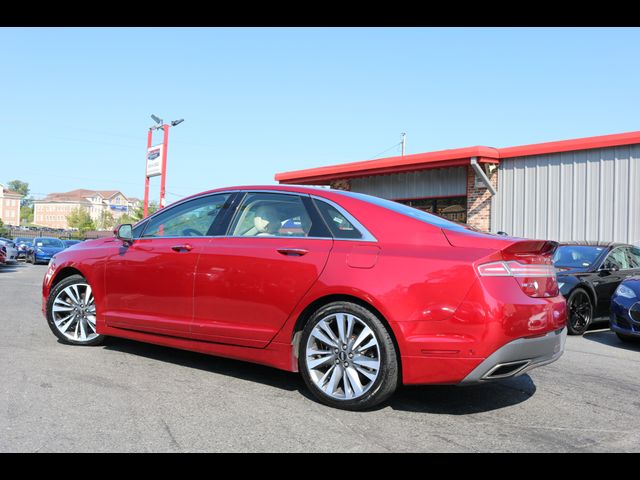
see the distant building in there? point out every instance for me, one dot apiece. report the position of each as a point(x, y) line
point(9, 206)
point(53, 210)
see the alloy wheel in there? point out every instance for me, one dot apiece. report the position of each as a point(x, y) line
point(74, 313)
point(580, 311)
point(343, 356)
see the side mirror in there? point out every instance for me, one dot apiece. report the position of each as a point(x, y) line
point(124, 232)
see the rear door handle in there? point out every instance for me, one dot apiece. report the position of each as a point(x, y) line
point(181, 248)
point(295, 252)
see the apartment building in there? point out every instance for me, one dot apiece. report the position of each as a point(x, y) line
point(9, 206)
point(53, 210)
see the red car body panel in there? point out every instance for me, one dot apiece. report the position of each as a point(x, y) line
point(241, 298)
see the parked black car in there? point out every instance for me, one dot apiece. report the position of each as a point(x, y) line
point(588, 273)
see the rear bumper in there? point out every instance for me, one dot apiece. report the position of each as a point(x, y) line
point(518, 357)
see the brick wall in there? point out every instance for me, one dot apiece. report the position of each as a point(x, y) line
point(342, 184)
point(479, 201)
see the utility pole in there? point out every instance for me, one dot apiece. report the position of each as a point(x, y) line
point(403, 141)
point(157, 160)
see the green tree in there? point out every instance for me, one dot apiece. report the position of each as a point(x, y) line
point(106, 221)
point(4, 231)
point(80, 219)
point(26, 214)
point(137, 213)
point(22, 188)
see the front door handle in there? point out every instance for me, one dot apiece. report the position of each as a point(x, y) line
point(296, 252)
point(181, 248)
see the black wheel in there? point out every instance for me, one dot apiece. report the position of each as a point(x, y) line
point(628, 338)
point(580, 311)
point(347, 357)
point(71, 312)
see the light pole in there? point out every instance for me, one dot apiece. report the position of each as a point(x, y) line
point(157, 160)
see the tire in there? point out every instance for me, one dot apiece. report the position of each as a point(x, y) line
point(580, 312)
point(80, 325)
point(325, 374)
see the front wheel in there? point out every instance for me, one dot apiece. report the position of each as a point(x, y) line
point(580, 312)
point(347, 357)
point(71, 312)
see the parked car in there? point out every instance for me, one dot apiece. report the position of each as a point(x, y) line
point(625, 310)
point(43, 248)
point(3, 254)
point(360, 295)
point(10, 251)
point(23, 244)
point(588, 273)
point(69, 243)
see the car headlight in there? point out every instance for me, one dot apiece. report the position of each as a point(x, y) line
point(39, 250)
point(561, 284)
point(625, 292)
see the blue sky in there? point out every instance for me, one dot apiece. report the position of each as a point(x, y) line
point(75, 102)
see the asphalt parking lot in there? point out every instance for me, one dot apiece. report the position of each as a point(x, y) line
point(131, 397)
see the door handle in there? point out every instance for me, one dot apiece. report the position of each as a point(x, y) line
point(294, 252)
point(180, 248)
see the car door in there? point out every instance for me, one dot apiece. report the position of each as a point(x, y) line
point(149, 283)
point(613, 270)
point(249, 281)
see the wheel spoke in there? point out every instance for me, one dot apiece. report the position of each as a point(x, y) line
point(320, 361)
point(323, 338)
point(335, 378)
point(366, 331)
point(327, 330)
point(72, 294)
point(341, 320)
point(366, 362)
point(87, 295)
point(354, 381)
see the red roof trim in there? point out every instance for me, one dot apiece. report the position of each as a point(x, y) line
point(448, 158)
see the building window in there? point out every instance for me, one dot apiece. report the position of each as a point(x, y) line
point(451, 208)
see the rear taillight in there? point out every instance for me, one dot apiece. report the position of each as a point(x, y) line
point(535, 279)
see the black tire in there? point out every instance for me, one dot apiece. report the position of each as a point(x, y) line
point(73, 279)
point(579, 311)
point(628, 338)
point(388, 375)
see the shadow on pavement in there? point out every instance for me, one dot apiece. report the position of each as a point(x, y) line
point(609, 338)
point(452, 400)
point(224, 366)
point(12, 267)
point(437, 399)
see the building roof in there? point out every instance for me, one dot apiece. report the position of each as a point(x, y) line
point(80, 195)
point(6, 191)
point(448, 158)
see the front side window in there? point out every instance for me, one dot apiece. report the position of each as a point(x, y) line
point(633, 255)
point(273, 215)
point(194, 218)
point(616, 260)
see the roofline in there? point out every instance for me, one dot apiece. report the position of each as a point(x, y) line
point(448, 158)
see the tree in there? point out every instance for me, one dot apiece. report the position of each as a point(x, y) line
point(80, 219)
point(106, 221)
point(26, 214)
point(138, 212)
point(22, 188)
point(4, 231)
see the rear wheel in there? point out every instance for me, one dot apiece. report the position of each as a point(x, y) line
point(71, 312)
point(580, 311)
point(347, 357)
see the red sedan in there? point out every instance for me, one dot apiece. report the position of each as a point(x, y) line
point(357, 293)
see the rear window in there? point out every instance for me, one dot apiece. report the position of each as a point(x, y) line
point(576, 256)
point(338, 224)
point(405, 210)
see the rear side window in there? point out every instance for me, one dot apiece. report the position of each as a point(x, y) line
point(617, 259)
point(339, 225)
point(633, 254)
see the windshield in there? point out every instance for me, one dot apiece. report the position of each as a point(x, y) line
point(48, 242)
point(576, 256)
point(22, 240)
point(405, 210)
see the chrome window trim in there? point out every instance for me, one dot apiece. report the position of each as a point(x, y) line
point(367, 236)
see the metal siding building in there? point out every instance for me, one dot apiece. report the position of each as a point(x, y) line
point(580, 195)
point(581, 189)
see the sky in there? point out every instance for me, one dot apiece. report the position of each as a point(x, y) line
point(75, 103)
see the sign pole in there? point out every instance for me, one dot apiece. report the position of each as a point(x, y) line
point(146, 178)
point(163, 178)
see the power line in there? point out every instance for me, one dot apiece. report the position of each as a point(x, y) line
point(384, 151)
